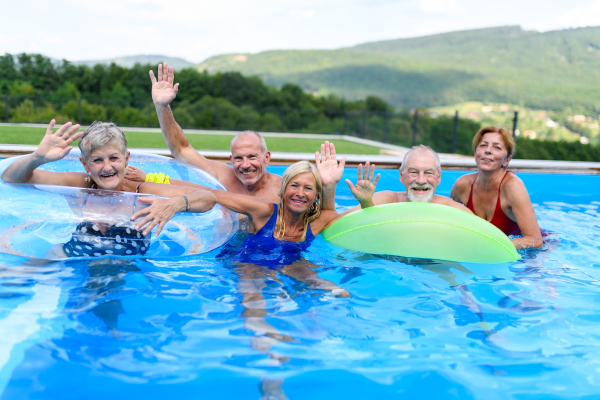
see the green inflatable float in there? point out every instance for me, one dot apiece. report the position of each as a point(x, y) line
point(422, 230)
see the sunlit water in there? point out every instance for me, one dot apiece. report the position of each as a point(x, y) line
point(157, 329)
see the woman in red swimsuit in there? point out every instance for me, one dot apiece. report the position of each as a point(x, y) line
point(496, 194)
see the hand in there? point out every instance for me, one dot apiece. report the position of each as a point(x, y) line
point(55, 146)
point(159, 213)
point(135, 174)
point(327, 165)
point(163, 91)
point(365, 185)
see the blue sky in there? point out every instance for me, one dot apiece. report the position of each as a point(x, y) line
point(196, 30)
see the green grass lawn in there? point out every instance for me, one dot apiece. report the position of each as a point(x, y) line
point(29, 135)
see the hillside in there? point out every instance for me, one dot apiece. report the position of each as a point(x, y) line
point(130, 61)
point(549, 70)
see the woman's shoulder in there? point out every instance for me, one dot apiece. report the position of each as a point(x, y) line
point(512, 181)
point(466, 180)
point(513, 185)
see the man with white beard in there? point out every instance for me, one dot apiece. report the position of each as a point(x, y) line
point(421, 173)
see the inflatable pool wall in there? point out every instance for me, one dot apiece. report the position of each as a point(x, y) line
point(35, 217)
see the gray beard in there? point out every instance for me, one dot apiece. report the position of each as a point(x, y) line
point(424, 198)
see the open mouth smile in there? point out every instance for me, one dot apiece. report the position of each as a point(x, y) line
point(108, 176)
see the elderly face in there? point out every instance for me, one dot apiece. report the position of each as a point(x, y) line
point(106, 166)
point(300, 193)
point(420, 176)
point(491, 153)
point(248, 159)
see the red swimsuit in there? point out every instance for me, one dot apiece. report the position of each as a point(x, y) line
point(500, 220)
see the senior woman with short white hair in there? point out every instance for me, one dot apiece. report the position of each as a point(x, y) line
point(104, 157)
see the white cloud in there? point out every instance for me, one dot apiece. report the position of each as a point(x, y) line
point(47, 37)
point(439, 6)
point(587, 15)
point(302, 13)
point(4, 38)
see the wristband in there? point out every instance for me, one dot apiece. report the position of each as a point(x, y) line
point(187, 204)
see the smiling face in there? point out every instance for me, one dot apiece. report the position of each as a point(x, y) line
point(300, 193)
point(249, 159)
point(106, 166)
point(491, 153)
point(420, 176)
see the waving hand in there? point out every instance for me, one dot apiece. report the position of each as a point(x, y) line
point(163, 91)
point(55, 146)
point(327, 165)
point(365, 185)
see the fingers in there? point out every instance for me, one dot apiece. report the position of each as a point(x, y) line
point(62, 129)
point(50, 127)
point(318, 159)
point(371, 172)
point(342, 163)
point(161, 225)
point(150, 227)
point(327, 151)
point(323, 152)
point(376, 179)
point(332, 149)
point(176, 88)
point(350, 185)
point(152, 78)
point(68, 133)
point(144, 221)
point(359, 174)
point(171, 76)
point(160, 73)
point(74, 137)
point(367, 170)
point(165, 76)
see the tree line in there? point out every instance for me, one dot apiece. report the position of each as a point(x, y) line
point(38, 89)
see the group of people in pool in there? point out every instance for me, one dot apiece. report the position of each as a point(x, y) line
point(292, 208)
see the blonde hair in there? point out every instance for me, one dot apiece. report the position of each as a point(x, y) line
point(314, 211)
point(509, 142)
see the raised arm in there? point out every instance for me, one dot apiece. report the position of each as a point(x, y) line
point(163, 93)
point(330, 172)
point(53, 147)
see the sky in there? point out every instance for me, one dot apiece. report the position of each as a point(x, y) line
point(196, 30)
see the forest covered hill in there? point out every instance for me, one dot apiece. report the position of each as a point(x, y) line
point(548, 70)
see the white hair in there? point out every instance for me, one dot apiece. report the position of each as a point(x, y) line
point(263, 144)
point(422, 148)
point(100, 134)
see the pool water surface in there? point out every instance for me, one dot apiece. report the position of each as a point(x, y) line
point(202, 327)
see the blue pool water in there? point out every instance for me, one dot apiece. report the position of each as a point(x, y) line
point(158, 329)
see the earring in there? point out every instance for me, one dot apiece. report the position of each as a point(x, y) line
point(88, 178)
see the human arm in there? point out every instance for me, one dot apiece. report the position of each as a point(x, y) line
point(137, 175)
point(163, 93)
point(364, 189)
point(460, 190)
point(199, 200)
point(53, 147)
point(330, 172)
point(518, 199)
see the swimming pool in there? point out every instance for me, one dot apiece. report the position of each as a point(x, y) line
point(159, 329)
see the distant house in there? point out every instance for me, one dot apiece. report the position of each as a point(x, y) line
point(578, 118)
point(529, 134)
